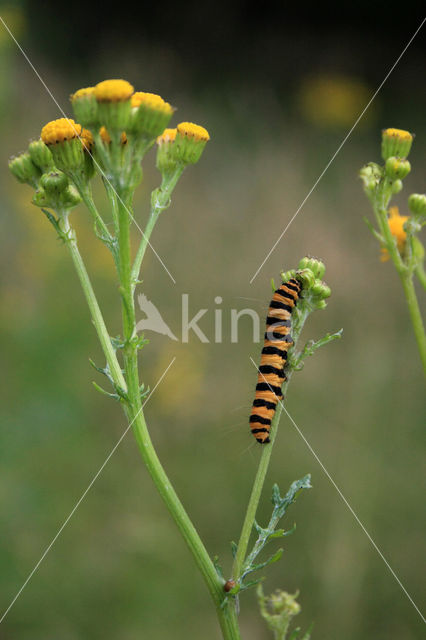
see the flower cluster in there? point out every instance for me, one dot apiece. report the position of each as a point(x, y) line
point(114, 127)
point(380, 183)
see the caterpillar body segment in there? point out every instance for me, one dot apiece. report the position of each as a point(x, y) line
point(274, 358)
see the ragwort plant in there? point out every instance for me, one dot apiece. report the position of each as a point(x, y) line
point(397, 234)
point(116, 127)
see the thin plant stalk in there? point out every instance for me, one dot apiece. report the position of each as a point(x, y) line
point(259, 480)
point(405, 271)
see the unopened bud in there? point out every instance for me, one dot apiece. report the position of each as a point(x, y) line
point(41, 155)
point(397, 168)
point(396, 142)
point(316, 266)
point(24, 169)
point(417, 203)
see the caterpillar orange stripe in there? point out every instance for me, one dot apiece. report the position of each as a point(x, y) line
point(273, 359)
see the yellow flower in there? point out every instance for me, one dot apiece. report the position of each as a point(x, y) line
point(401, 134)
point(151, 101)
point(168, 135)
point(113, 91)
point(396, 226)
point(60, 130)
point(82, 93)
point(396, 142)
point(193, 131)
point(86, 140)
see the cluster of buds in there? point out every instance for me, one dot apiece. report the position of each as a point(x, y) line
point(311, 271)
point(278, 610)
point(53, 188)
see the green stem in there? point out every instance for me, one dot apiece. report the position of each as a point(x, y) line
point(86, 195)
point(420, 273)
point(225, 611)
point(160, 200)
point(124, 219)
point(254, 499)
point(265, 458)
point(415, 315)
point(97, 318)
point(404, 271)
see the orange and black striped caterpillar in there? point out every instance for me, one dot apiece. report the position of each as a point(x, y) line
point(274, 357)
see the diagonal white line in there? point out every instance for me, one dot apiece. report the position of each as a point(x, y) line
point(94, 160)
point(347, 504)
point(339, 147)
point(77, 504)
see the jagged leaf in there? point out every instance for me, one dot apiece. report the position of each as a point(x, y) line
point(115, 396)
point(274, 558)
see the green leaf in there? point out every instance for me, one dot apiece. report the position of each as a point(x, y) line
point(234, 548)
point(115, 396)
point(274, 558)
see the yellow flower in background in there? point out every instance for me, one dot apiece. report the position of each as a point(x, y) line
point(168, 135)
point(103, 132)
point(396, 226)
point(330, 101)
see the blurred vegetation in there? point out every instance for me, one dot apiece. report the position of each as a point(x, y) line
point(119, 570)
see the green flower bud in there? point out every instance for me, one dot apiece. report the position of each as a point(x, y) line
point(371, 175)
point(307, 278)
point(316, 266)
point(70, 197)
point(24, 169)
point(113, 104)
point(417, 203)
point(41, 155)
point(396, 142)
point(85, 107)
point(397, 168)
point(166, 156)
point(190, 142)
point(287, 275)
point(40, 198)
point(54, 183)
point(320, 289)
point(150, 114)
point(396, 186)
point(63, 139)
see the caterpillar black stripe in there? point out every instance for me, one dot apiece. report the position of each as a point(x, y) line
point(273, 359)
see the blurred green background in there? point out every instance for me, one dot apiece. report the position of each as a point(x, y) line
point(277, 89)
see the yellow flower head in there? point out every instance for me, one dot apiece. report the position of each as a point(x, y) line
point(398, 133)
point(168, 135)
point(113, 91)
point(82, 93)
point(151, 101)
point(193, 131)
point(396, 142)
point(107, 138)
point(60, 130)
point(396, 226)
point(86, 139)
